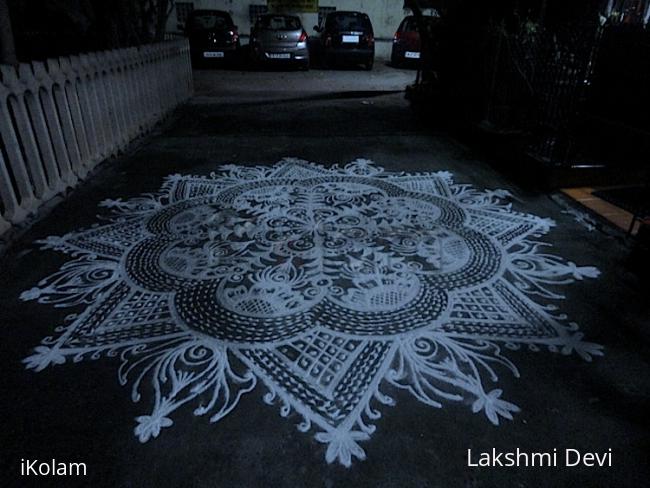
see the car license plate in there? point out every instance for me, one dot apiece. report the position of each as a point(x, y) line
point(412, 55)
point(279, 55)
point(213, 54)
point(354, 39)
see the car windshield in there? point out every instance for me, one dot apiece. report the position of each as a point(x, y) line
point(350, 21)
point(279, 22)
point(210, 20)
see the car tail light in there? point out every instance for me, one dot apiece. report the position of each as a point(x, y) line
point(370, 40)
point(328, 40)
point(303, 37)
point(397, 36)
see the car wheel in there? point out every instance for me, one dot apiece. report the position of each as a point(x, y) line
point(368, 66)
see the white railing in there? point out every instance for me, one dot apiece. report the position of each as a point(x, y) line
point(60, 118)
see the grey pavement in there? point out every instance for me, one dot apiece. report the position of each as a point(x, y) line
point(80, 412)
point(232, 86)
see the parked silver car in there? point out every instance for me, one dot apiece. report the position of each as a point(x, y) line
point(278, 39)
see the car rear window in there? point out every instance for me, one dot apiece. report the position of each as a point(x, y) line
point(279, 22)
point(410, 25)
point(210, 20)
point(350, 21)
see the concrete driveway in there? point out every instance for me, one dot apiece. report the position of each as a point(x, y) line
point(559, 393)
point(230, 86)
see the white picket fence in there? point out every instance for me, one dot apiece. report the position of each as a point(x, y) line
point(60, 118)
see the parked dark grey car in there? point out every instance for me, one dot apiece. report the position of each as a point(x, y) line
point(278, 39)
point(213, 36)
point(347, 37)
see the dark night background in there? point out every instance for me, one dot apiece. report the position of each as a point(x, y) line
point(538, 97)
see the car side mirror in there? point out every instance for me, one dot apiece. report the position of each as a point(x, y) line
point(317, 29)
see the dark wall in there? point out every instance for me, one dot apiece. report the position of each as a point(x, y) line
point(621, 83)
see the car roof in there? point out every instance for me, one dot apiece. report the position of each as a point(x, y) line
point(278, 15)
point(425, 17)
point(431, 19)
point(336, 12)
point(209, 11)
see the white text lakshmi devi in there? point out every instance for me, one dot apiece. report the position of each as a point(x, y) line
point(555, 458)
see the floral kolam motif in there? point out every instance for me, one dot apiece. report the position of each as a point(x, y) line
point(322, 284)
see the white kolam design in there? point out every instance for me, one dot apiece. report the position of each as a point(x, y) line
point(322, 284)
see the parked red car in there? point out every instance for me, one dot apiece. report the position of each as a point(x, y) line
point(406, 42)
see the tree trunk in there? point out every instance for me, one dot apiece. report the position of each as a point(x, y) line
point(7, 46)
point(426, 44)
point(164, 8)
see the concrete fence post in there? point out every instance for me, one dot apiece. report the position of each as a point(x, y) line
point(14, 204)
point(117, 75)
point(53, 125)
point(23, 135)
point(80, 130)
point(64, 115)
point(105, 80)
point(17, 202)
point(130, 95)
point(142, 90)
point(85, 97)
point(88, 70)
point(103, 104)
point(42, 136)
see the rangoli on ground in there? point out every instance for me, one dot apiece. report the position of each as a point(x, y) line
point(322, 284)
